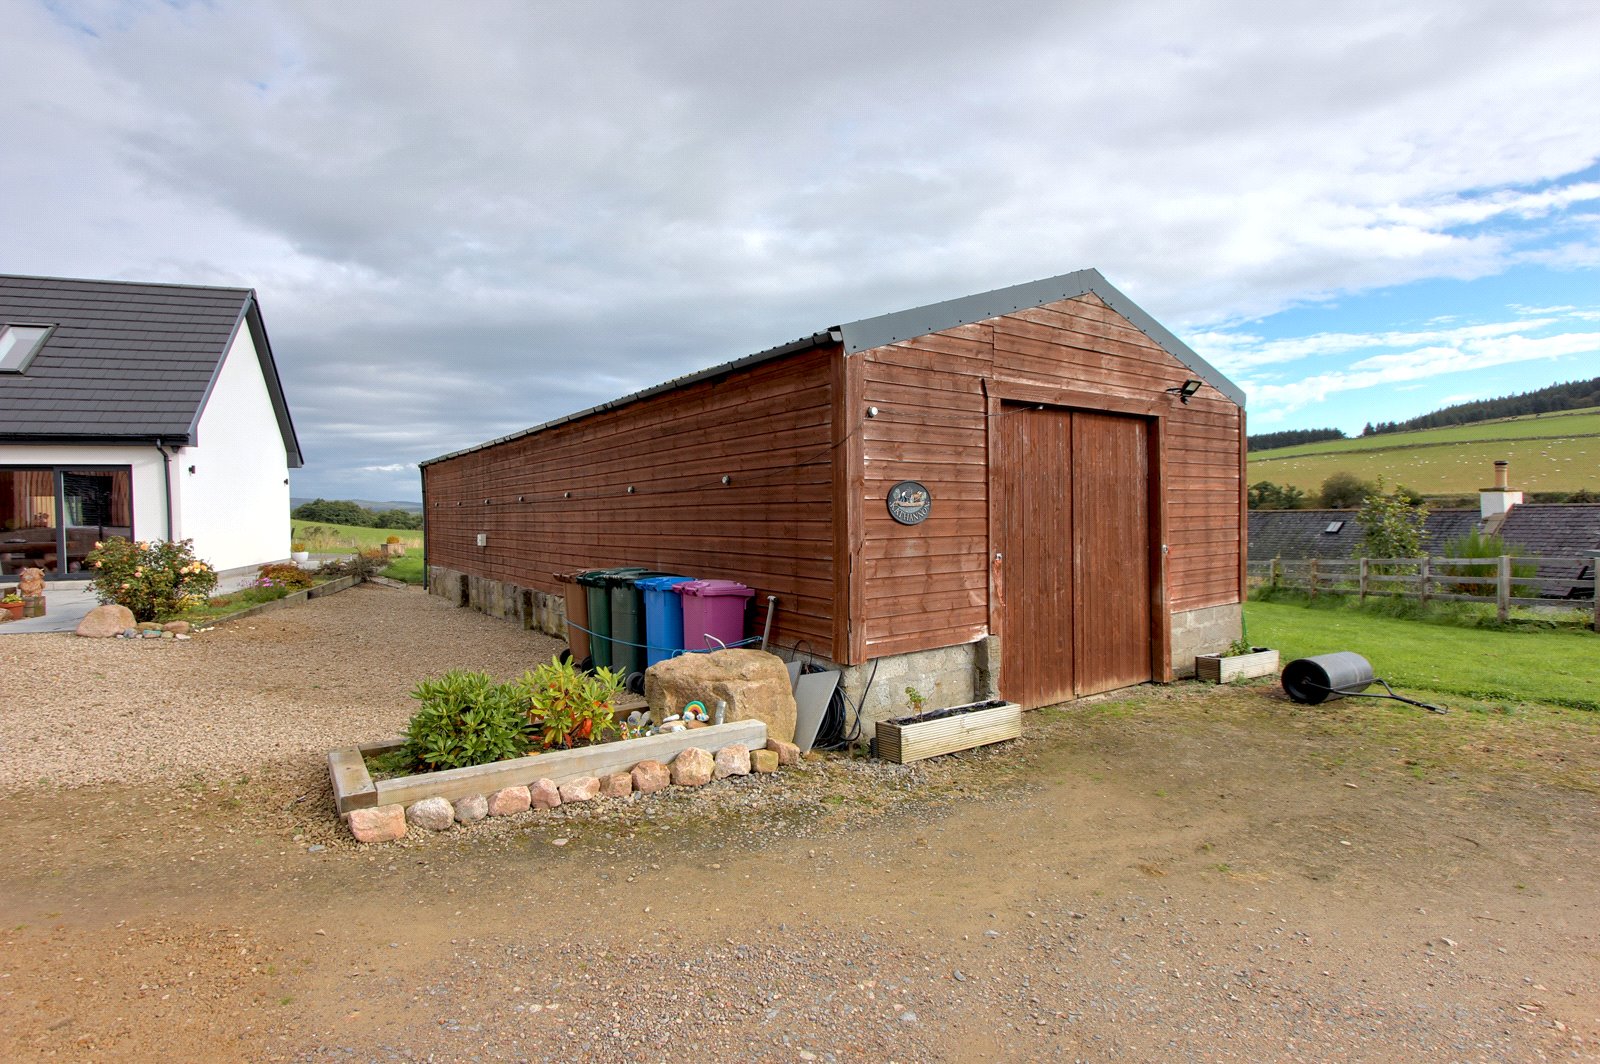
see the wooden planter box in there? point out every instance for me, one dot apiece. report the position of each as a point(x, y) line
point(1214, 668)
point(354, 787)
point(944, 731)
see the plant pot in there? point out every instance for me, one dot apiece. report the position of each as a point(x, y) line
point(300, 556)
point(944, 731)
point(14, 609)
point(1215, 668)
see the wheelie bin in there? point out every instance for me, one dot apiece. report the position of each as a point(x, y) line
point(627, 618)
point(713, 613)
point(596, 591)
point(663, 617)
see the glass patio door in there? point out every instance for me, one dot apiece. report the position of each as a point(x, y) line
point(50, 519)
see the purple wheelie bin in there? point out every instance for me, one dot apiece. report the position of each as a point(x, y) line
point(713, 613)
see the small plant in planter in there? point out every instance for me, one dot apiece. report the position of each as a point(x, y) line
point(466, 718)
point(297, 551)
point(567, 707)
point(11, 603)
point(915, 700)
point(1241, 661)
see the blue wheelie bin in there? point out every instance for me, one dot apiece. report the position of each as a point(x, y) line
point(663, 617)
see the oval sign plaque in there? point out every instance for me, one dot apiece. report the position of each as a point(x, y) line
point(910, 502)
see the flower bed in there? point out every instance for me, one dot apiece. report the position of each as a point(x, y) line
point(381, 810)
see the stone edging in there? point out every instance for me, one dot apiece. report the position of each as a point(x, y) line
point(505, 788)
point(337, 584)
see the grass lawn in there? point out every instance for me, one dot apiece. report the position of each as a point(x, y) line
point(1558, 668)
point(408, 569)
point(345, 538)
point(1550, 452)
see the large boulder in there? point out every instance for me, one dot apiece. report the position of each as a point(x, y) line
point(755, 685)
point(105, 622)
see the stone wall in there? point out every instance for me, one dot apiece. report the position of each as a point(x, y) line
point(529, 607)
point(1203, 631)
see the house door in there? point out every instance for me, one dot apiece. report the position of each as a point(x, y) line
point(1073, 534)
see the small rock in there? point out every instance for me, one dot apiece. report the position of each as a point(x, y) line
point(509, 800)
point(153, 633)
point(908, 1017)
point(435, 814)
point(181, 637)
point(544, 794)
point(130, 633)
point(471, 809)
point(383, 823)
point(763, 761)
point(559, 842)
point(788, 753)
point(103, 622)
point(617, 785)
point(318, 848)
point(580, 790)
point(167, 635)
point(650, 777)
point(178, 627)
point(732, 761)
point(692, 768)
point(958, 975)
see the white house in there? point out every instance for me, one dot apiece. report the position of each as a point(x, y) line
point(151, 411)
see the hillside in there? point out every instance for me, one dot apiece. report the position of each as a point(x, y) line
point(1547, 452)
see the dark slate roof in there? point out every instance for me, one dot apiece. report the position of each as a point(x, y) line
point(936, 317)
point(126, 361)
point(1565, 531)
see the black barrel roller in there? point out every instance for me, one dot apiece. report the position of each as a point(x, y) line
point(1313, 681)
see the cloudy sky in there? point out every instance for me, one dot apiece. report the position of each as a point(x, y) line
point(467, 218)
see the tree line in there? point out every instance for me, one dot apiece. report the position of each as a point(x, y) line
point(1572, 395)
point(345, 512)
point(1268, 441)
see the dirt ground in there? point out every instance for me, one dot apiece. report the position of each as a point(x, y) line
point(1173, 874)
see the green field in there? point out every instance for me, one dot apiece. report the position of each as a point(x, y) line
point(345, 539)
point(1552, 667)
point(1547, 452)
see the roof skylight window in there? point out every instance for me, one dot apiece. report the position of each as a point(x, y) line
point(19, 343)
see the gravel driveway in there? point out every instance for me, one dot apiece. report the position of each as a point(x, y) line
point(281, 686)
point(1183, 874)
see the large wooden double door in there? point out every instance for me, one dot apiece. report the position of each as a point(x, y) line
point(1072, 572)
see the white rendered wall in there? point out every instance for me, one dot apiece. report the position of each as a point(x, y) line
point(149, 487)
point(235, 505)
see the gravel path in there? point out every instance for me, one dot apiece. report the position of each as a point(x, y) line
point(280, 686)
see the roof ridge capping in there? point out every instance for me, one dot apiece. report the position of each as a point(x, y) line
point(52, 279)
point(936, 317)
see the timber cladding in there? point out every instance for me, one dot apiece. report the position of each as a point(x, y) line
point(814, 435)
point(557, 500)
point(937, 396)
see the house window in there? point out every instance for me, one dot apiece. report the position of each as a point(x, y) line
point(51, 519)
point(19, 343)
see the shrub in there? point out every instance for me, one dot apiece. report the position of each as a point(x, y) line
point(392, 539)
point(1392, 525)
point(153, 578)
point(565, 707)
point(284, 575)
point(297, 546)
point(466, 718)
point(1472, 545)
point(1344, 491)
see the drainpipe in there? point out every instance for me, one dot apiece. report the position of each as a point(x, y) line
point(166, 465)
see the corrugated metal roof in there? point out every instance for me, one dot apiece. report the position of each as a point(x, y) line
point(885, 329)
point(126, 360)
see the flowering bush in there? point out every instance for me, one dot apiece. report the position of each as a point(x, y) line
point(567, 707)
point(286, 575)
point(153, 578)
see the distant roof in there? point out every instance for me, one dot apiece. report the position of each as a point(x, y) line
point(1545, 530)
point(920, 321)
point(126, 361)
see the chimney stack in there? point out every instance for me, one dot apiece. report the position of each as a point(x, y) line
point(1495, 502)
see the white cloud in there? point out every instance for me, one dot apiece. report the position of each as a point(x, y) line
point(516, 211)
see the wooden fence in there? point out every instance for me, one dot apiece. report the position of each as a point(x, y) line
point(1438, 579)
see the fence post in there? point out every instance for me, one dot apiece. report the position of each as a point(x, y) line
point(1363, 579)
point(1423, 575)
point(1503, 588)
point(1594, 572)
point(1313, 578)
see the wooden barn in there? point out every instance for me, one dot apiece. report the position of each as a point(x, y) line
point(1037, 489)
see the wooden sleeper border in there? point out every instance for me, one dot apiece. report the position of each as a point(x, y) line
point(902, 743)
point(354, 787)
